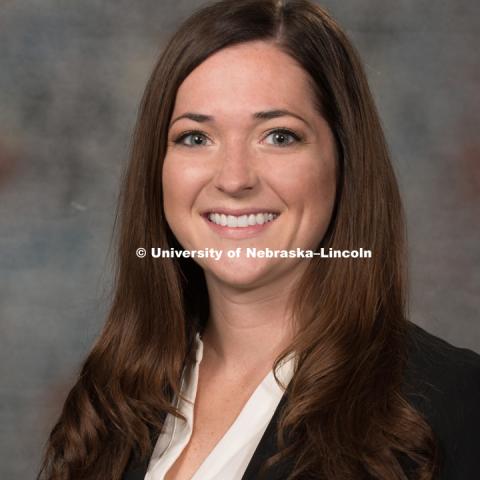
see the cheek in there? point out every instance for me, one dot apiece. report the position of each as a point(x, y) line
point(172, 196)
point(169, 178)
point(320, 190)
point(309, 191)
point(311, 185)
point(176, 198)
point(320, 193)
point(181, 183)
point(322, 199)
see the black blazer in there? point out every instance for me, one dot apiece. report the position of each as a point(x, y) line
point(442, 381)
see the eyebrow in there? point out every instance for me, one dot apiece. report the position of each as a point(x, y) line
point(264, 115)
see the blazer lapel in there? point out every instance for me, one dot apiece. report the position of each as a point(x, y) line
point(135, 471)
point(267, 447)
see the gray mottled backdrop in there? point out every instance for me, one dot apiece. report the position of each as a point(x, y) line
point(71, 76)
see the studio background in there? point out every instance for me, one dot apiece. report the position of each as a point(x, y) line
point(71, 77)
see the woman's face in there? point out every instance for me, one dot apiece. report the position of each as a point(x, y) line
point(247, 145)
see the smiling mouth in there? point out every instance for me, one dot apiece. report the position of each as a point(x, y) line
point(241, 221)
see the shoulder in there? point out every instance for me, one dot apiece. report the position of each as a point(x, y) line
point(439, 367)
point(443, 382)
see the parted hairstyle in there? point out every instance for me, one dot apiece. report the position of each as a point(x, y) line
point(346, 416)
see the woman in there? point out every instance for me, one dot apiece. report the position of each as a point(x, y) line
point(257, 130)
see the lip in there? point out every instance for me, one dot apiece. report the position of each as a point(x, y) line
point(239, 232)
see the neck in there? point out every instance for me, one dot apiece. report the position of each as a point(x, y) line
point(247, 329)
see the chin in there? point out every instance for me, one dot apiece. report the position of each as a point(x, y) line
point(241, 275)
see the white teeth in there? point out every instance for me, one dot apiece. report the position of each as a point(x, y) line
point(242, 220)
point(232, 221)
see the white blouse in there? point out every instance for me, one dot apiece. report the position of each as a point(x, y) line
point(231, 455)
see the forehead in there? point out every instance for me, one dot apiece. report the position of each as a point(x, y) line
point(237, 78)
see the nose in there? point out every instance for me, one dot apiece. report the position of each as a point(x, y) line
point(236, 172)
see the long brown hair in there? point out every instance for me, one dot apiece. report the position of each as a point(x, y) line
point(346, 417)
